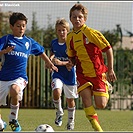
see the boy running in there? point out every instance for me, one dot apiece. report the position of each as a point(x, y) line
point(15, 49)
point(84, 48)
point(63, 80)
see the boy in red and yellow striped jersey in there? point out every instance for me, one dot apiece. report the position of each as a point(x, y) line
point(84, 48)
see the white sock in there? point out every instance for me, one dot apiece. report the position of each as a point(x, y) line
point(1, 124)
point(57, 104)
point(71, 114)
point(14, 112)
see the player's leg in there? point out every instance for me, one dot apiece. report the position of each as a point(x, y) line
point(16, 94)
point(57, 90)
point(101, 91)
point(100, 102)
point(70, 94)
point(101, 96)
point(3, 94)
point(89, 109)
point(2, 123)
point(71, 113)
point(57, 99)
point(101, 99)
point(14, 106)
point(58, 106)
point(85, 91)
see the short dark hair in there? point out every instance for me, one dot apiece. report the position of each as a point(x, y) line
point(15, 16)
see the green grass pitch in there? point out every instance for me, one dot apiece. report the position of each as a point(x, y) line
point(109, 120)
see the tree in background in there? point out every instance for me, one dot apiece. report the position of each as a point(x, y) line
point(44, 35)
point(4, 23)
point(35, 31)
point(49, 33)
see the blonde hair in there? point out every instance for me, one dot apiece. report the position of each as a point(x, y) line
point(81, 8)
point(62, 22)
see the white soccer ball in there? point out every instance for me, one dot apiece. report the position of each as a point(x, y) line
point(44, 128)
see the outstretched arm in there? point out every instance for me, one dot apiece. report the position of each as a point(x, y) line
point(49, 64)
point(111, 74)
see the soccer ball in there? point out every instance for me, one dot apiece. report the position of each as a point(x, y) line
point(44, 128)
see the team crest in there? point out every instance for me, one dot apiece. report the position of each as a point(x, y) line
point(27, 45)
point(86, 41)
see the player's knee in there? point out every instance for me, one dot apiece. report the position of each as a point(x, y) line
point(101, 102)
point(13, 92)
point(101, 105)
point(70, 102)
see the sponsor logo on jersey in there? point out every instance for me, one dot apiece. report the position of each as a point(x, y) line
point(62, 58)
point(18, 54)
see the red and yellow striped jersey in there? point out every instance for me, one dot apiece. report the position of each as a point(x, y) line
point(87, 46)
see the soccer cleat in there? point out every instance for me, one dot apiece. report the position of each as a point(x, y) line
point(4, 126)
point(70, 126)
point(15, 126)
point(58, 120)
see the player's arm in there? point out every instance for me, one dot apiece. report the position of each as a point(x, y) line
point(4, 46)
point(48, 62)
point(57, 61)
point(71, 63)
point(51, 56)
point(7, 50)
point(111, 73)
point(70, 52)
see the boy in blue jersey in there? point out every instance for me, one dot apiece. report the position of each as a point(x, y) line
point(63, 79)
point(15, 49)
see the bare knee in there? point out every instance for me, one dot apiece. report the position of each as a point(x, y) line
point(70, 102)
point(14, 90)
point(56, 94)
point(101, 105)
point(100, 102)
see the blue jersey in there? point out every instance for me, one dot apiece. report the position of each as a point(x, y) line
point(15, 62)
point(67, 77)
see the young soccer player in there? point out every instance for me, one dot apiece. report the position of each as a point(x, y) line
point(63, 80)
point(15, 49)
point(84, 48)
